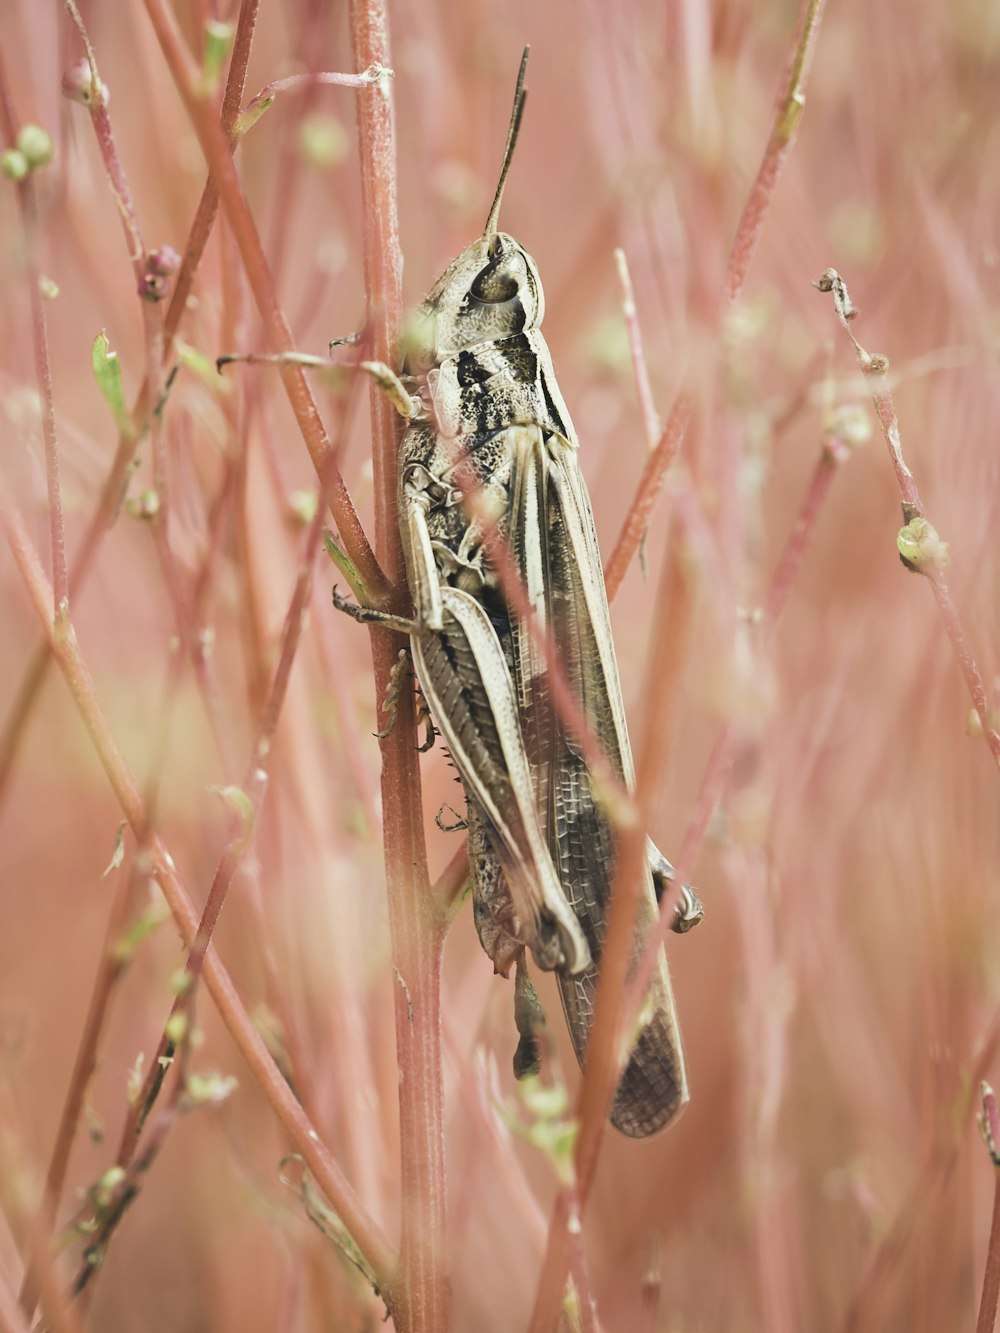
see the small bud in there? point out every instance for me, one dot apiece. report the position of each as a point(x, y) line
point(303, 506)
point(106, 1186)
point(161, 265)
point(14, 165)
point(164, 261)
point(147, 506)
point(36, 145)
point(181, 982)
point(920, 546)
point(176, 1027)
point(210, 1089)
point(218, 41)
point(79, 85)
point(849, 424)
point(133, 1083)
point(323, 141)
point(242, 806)
point(152, 287)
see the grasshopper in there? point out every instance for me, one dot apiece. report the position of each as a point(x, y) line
point(488, 465)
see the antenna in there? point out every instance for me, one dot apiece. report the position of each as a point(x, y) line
point(490, 229)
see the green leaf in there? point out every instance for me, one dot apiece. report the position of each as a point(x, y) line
point(118, 855)
point(251, 113)
point(242, 806)
point(347, 567)
point(130, 938)
point(303, 505)
point(218, 41)
point(920, 546)
point(209, 1089)
point(329, 1223)
point(200, 365)
point(107, 372)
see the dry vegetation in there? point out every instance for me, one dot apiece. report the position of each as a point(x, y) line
point(840, 1001)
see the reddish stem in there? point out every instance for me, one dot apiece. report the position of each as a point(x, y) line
point(330, 1178)
point(644, 390)
point(657, 465)
point(218, 153)
point(11, 1318)
point(144, 403)
point(150, 312)
point(596, 1099)
point(420, 1288)
point(987, 1320)
point(991, 1274)
point(110, 969)
point(720, 761)
point(27, 203)
point(108, 975)
point(602, 1065)
point(921, 1199)
point(254, 788)
point(59, 1314)
point(876, 367)
point(787, 115)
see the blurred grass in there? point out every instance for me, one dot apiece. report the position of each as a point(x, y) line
point(838, 1000)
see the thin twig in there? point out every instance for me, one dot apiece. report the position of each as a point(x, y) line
point(713, 782)
point(247, 803)
point(921, 1200)
point(150, 310)
point(989, 1123)
point(299, 82)
point(143, 407)
point(11, 1318)
point(28, 205)
point(60, 1316)
point(111, 968)
point(644, 391)
point(599, 1065)
point(788, 114)
point(331, 1180)
point(218, 152)
point(601, 1068)
point(922, 550)
point(990, 1127)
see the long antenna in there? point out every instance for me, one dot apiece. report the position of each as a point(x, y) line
point(515, 124)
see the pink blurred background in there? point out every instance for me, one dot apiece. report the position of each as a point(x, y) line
point(840, 1001)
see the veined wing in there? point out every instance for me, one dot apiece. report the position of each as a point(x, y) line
point(554, 545)
point(467, 684)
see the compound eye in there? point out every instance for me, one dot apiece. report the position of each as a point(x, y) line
point(493, 285)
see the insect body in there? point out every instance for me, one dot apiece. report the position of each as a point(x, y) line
point(488, 462)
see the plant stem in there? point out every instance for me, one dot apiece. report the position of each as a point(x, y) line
point(43, 371)
point(218, 153)
point(597, 1087)
point(990, 1126)
point(288, 1110)
point(421, 1288)
point(875, 368)
point(788, 113)
point(144, 404)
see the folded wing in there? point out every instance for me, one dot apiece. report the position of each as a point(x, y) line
point(554, 545)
